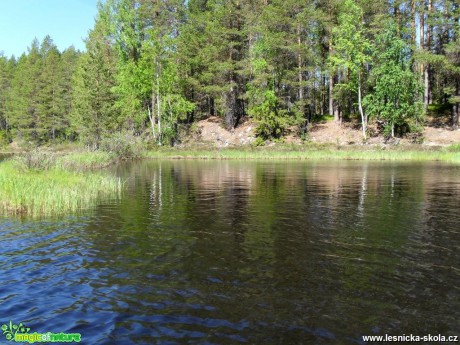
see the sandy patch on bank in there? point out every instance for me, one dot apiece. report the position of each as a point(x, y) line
point(212, 131)
point(441, 136)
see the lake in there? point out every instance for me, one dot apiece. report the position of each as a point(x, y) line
point(230, 252)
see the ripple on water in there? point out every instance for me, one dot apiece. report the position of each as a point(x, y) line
point(227, 253)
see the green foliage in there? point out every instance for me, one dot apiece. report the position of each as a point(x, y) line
point(351, 47)
point(35, 160)
point(85, 160)
point(6, 74)
point(270, 123)
point(396, 93)
point(351, 51)
point(310, 151)
point(148, 82)
point(37, 99)
point(153, 66)
point(54, 191)
point(122, 145)
point(454, 148)
point(439, 109)
point(259, 141)
point(22, 103)
point(93, 114)
point(5, 138)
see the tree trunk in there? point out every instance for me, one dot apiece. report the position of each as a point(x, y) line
point(299, 61)
point(412, 24)
point(413, 34)
point(332, 110)
point(421, 38)
point(212, 109)
point(397, 17)
point(426, 95)
point(151, 110)
point(445, 31)
point(456, 108)
point(455, 115)
point(158, 108)
point(230, 108)
point(331, 99)
point(360, 105)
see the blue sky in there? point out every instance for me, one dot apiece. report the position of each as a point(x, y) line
point(66, 21)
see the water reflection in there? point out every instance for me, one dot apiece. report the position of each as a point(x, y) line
point(245, 252)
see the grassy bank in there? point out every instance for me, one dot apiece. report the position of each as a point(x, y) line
point(316, 152)
point(46, 182)
point(43, 184)
point(85, 160)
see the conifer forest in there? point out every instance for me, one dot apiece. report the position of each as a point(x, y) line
point(152, 67)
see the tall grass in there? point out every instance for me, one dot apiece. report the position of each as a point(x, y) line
point(30, 191)
point(313, 153)
point(85, 160)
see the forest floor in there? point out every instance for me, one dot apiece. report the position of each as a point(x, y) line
point(211, 131)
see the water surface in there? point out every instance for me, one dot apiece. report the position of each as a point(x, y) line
point(227, 252)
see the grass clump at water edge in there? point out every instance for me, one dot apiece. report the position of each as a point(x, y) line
point(313, 152)
point(50, 189)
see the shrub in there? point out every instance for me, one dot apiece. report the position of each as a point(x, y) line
point(123, 145)
point(5, 138)
point(36, 160)
point(454, 148)
point(271, 122)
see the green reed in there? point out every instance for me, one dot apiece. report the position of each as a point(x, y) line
point(313, 152)
point(85, 160)
point(52, 190)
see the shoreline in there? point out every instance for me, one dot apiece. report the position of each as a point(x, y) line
point(78, 159)
point(41, 184)
point(312, 152)
point(38, 183)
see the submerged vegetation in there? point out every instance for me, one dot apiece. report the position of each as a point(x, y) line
point(41, 183)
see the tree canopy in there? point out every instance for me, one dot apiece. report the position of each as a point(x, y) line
point(151, 67)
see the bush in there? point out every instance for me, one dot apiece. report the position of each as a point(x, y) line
point(454, 148)
point(414, 131)
point(123, 145)
point(271, 122)
point(5, 138)
point(36, 160)
point(258, 142)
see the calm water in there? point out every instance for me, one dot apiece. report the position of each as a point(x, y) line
point(244, 252)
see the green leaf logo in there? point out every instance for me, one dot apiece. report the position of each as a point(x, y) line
point(11, 330)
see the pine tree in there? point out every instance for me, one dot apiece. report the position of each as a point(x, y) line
point(215, 44)
point(68, 64)
point(93, 114)
point(23, 104)
point(7, 67)
point(50, 109)
point(452, 68)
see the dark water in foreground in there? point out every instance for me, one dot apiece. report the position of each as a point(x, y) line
point(244, 252)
